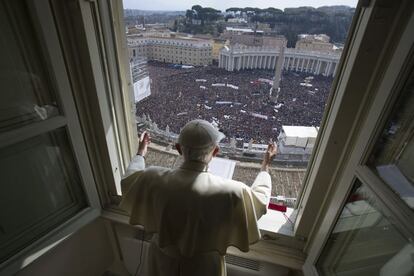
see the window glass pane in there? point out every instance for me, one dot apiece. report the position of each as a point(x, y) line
point(393, 156)
point(25, 86)
point(365, 242)
point(40, 188)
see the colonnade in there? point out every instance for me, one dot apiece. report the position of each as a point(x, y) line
point(316, 63)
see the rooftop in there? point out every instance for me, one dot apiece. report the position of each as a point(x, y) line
point(244, 30)
point(300, 131)
point(195, 39)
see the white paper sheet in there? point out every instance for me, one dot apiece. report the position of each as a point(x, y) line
point(222, 167)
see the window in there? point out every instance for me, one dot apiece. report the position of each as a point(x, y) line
point(114, 120)
point(366, 224)
point(43, 165)
point(369, 243)
point(238, 96)
point(393, 156)
point(363, 198)
point(41, 176)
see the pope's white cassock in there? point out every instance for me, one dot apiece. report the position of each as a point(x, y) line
point(194, 214)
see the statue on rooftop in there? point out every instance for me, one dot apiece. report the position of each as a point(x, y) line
point(250, 148)
point(233, 143)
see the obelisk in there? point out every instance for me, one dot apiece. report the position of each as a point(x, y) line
point(278, 74)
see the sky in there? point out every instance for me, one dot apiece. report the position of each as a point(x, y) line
point(178, 5)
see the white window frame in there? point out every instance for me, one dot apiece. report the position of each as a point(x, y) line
point(387, 79)
point(343, 113)
point(326, 166)
point(102, 83)
point(278, 249)
point(45, 27)
point(283, 250)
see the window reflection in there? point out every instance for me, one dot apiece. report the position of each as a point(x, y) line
point(40, 182)
point(25, 86)
point(393, 156)
point(365, 242)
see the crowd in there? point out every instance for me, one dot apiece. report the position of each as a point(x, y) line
point(244, 113)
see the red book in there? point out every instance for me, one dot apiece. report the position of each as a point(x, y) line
point(278, 207)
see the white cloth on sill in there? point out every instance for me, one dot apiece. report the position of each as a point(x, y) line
point(195, 214)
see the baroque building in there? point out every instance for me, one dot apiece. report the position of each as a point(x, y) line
point(179, 50)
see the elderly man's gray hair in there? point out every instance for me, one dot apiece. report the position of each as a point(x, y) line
point(199, 155)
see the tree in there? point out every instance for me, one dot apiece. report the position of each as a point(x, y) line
point(220, 28)
point(228, 17)
point(272, 10)
point(333, 21)
point(234, 10)
point(204, 14)
point(189, 15)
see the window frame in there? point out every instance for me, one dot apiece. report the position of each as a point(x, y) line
point(48, 29)
point(121, 43)
point(41, 14)
point(295, 244)
point(322, 170)
point(321, 167)
point(277, 248)
point(101, 88)
point(326, 165)
point(109, 56)
point(394, 66)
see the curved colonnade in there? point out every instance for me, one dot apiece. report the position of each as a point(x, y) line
point(316, 63)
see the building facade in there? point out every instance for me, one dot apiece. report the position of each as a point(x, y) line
point(189, 51)
point(217, 45)
point(237, 57)
point(320, 43)
point(250, 37)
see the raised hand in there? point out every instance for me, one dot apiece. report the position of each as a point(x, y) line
point(270, 152)
point(144, 141)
